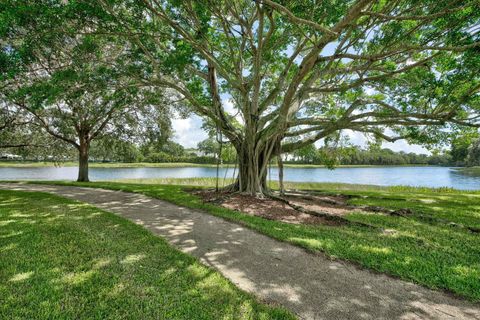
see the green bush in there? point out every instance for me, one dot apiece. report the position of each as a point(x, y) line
point(159, 157)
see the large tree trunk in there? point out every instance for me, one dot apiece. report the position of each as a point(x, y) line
point(83, 161)
point(253, 162)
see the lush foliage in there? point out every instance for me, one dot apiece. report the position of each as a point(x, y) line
point(461, 144)
point(359, 156)
point(65, 259)
point(70, 85)
point(19, 137)
point(473, 157)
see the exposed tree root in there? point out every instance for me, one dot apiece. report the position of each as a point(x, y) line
point(213, 196)
point(225, 194)
point(306, 196)
point(325, 215)
point(402, 212)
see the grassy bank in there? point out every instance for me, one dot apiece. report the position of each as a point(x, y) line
point(475, 171)
point(428, 247)
point(323, 186)
point(61, 259)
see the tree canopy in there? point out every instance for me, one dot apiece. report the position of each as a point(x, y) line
point(74, 86)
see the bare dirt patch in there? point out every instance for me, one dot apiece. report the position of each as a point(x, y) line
point(297, 207)
point(330, 205)
point(275, 209)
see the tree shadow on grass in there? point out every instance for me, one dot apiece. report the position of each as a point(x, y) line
point(69, 260)
point(276, 272)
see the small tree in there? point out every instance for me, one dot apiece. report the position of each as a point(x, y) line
point(306, 154)
point(72, 94)
point(111, 148)
point(461, 145)
point(473, 157)
point(209, 146)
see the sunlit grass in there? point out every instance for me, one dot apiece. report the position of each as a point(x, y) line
point(431, 247)
point(61, 259)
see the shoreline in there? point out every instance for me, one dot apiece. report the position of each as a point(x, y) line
point(209, 182)
point(41, 164)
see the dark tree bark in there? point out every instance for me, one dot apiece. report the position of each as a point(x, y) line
point(253, 159)
point(83, 150)
point(280, 174)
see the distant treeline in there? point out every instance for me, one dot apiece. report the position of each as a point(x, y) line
point(116, 150)
point(359, 156)
point(165, 152)
point(389, 157)
point(207, 152)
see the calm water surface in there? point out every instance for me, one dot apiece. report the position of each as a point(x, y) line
point(386, 176)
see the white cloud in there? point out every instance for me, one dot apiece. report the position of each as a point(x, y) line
point(370, 91)
point(356, 138)
point(359, 139)
point(188, 132)
point(402, 145)
point(228, 105)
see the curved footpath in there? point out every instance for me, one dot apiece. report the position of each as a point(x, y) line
point(311, 285)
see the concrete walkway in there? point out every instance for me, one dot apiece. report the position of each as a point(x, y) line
point(310, 285)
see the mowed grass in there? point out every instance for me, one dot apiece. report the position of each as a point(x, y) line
point(61, 259)
point(431, 247)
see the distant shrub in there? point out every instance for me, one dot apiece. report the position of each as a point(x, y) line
point(473, 157)
point(422, 189)
point(162, 157)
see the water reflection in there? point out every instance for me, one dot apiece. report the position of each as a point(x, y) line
point(412, 176)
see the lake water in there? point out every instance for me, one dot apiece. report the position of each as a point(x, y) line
point(385, 176)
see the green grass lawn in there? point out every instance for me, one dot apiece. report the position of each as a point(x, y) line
point(61, 259)
point(423, 248)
